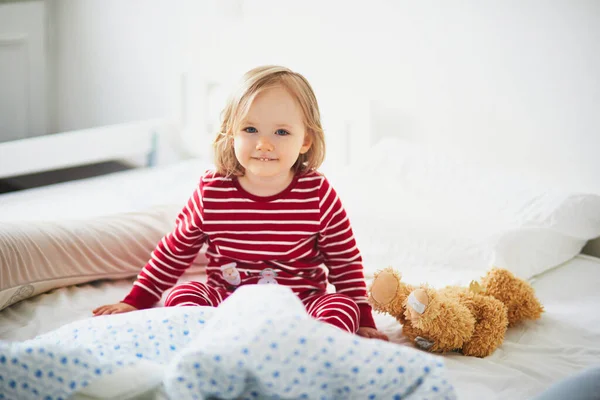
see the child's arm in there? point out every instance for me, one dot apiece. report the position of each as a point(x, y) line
point(342, 257)
point(171, 257)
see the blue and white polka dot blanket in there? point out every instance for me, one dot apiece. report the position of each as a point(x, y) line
point(259, 343)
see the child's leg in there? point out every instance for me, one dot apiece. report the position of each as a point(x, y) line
point(334, 308)
point(195, 294)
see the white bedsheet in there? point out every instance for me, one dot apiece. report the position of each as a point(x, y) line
point(533, 356)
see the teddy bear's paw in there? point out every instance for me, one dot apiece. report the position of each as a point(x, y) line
point(385, 287)
point(423, 343)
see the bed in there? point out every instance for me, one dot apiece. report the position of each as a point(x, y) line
point(532, 357)
point(433, 218)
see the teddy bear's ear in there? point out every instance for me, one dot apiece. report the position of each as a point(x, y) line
point(475, 287)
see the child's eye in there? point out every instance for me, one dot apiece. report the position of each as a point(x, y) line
point(281, 132)
point(250, 129)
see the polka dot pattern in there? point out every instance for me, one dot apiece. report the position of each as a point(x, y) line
point(259, 343)
point(61, 362)
point(263, 345)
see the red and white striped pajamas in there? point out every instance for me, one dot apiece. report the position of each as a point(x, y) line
point(300, 238)
point(334, 308)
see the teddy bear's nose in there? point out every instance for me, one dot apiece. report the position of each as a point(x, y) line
point(384, 288)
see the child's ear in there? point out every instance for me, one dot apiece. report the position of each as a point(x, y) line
point(307, 143)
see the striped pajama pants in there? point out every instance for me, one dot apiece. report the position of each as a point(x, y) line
point(334, 308)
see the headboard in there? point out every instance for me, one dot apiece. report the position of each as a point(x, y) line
point(135, 140)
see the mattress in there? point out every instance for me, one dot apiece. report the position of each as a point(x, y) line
point(533, 356)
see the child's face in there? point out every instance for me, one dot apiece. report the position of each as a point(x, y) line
point(272, 135)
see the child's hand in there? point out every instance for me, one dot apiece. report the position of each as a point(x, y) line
point(113, 309)
point(371, 333)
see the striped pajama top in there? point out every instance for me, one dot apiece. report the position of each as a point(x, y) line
point(300, 238)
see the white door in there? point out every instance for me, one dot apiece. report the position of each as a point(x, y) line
point(22, 70)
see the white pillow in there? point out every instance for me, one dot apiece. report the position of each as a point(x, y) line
point(36, 257)
point(438, 218)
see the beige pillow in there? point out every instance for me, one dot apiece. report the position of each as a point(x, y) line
point(36, 257)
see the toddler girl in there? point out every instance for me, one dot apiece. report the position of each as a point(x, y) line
point(265, 213)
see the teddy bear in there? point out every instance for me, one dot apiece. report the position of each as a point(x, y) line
point(472, 320)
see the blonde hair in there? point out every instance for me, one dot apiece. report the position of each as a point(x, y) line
point(254, 82)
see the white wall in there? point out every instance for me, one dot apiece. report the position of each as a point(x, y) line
point(110, 63)
point(22, 70)
point(117, 61)
point(512, 82)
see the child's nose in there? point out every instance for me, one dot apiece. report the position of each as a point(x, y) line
point(264, 144)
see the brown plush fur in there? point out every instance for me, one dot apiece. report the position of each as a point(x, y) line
point(471, 320)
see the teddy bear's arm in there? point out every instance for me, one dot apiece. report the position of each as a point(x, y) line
point(388, 294)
